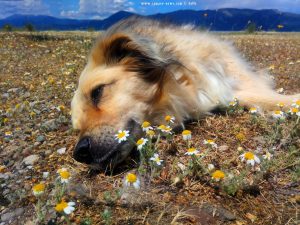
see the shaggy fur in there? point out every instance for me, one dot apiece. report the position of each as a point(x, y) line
point(142, 70)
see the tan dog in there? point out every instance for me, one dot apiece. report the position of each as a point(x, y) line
point(142, 70)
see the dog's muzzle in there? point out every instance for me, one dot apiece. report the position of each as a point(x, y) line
point(103, 150)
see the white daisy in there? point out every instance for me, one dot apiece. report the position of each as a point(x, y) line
point(146, 126)
point(66, 207)
point(295, 111)
point(141, 142)
point(169, 119)
point(278, 114)
point(122, 135)
point(38, 189)
point(64, 175)
point(296, 103)
point(132, 180)
point(165, 129)
point(253, 110)
point(268, 156)
point(156, 159)
point(210, 142)
point(192, 151)
point(186, 135)
point(250, 158)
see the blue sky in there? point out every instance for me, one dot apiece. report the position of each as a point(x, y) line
point(99, 9)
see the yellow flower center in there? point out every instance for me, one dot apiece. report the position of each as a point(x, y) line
point(8, 133)
point(162, 127)
point(297, 102)
point(277, 112)
point(168, 118)
point(252, 109)
point(210, 141)
point(121, 135)
point(18, 106)
point(140, 142)
point(150, 133)
point(146, 124)
point(64, 174)
point(186, 132)
point(295, 110)
point(131, 178)
point(61, 206)
point(157, 159)
point(280, 104)
point(38, 187)
point(190, 150)
point(218, 174)
point(249, 156)
point(240, 136)
point(5, 120)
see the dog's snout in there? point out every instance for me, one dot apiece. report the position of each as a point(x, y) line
point(82, 151)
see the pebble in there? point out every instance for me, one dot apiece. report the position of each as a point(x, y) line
point(30, 160)
point(50, 125)
point(11, 215)
point(40, 138)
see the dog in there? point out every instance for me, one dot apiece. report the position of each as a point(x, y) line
point(141, 70)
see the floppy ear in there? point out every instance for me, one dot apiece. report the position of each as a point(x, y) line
point(132, 53)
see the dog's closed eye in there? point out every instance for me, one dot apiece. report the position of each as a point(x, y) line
point(96, 94)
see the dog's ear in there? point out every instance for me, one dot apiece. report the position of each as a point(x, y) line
point(137, 55)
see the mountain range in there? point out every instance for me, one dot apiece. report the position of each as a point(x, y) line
point(227, 19)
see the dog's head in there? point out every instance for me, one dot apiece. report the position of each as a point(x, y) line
point(120, 87)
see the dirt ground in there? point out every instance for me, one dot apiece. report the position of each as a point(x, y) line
point(38, 76)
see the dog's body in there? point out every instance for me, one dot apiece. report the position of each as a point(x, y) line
point(141, 70)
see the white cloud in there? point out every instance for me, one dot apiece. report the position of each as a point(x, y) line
point(99, 9)
point(282, 5)
point(33, 7)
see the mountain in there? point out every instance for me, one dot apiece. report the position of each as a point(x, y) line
point(228, 19)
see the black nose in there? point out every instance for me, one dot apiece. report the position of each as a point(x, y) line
point(82, 151)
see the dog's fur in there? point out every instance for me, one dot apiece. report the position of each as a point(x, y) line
point(146, 70)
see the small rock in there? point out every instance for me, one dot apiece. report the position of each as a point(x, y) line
point(61, 151)
point(7, 216)
point(13, 90)
point(41, 138)
point(35, 144)
point(50, 125)
point(30, 160)
point(19, 211)
point(5, 95)
point(48, 152)
point(223, 148)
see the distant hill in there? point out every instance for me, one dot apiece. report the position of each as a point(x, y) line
point(228, 19)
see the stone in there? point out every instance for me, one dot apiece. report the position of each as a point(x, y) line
point(40, 138)
point(30, 160)
point(50, 125)
point(7, 216)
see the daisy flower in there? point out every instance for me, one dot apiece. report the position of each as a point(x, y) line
point(250, 158)
point(296, 104)
point(232, 103)
point(8, 134)
point(141, 142)
point(278, 114)
point(66, 207)
point(64, 175)
point(155, 158)
point(218, 175)
point(146, 126)
point(122, 135)
point(253, 110)
point(268, 156)
point(280, 104)
point(38, 189)
point(210, 142)
point(60, 108)
point(186, 135)
point(150, 133)
point(165, 129)
point(192, 151)
point(294, 111)
point(169, 119)
point(132, 179)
